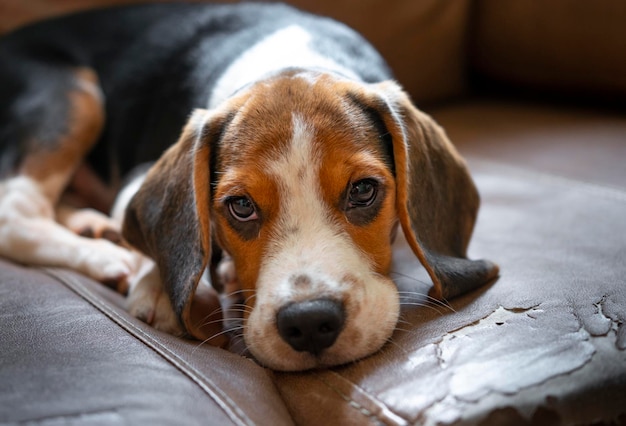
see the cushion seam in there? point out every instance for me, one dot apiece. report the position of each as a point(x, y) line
point(399, 420)
point(206, 384)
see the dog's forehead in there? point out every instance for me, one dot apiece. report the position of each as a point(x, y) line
point(273, 110)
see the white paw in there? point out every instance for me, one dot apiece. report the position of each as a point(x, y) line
point(148, 301)
point(105, 261)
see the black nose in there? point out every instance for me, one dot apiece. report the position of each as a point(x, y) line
point(311, 326)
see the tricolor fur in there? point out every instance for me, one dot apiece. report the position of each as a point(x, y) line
point(297, 160)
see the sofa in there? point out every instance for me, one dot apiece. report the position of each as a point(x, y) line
point(533, 95)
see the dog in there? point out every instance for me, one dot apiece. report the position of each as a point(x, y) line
point(282, 153)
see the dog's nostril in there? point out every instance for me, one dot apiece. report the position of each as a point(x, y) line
point(311, 326)
point(293, 333)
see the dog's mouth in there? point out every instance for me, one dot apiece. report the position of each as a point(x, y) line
point(319, 333)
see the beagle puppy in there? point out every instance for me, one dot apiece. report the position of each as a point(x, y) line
point(281, 147)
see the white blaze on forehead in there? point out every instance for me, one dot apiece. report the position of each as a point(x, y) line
point(300, 155)
point(305, 239)
point(297, 173)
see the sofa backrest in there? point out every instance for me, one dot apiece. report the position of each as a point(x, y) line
point(433, 46)
point(568, 46)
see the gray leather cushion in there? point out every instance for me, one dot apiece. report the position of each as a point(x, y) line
point(69, 355)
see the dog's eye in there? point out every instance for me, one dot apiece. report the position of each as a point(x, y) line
point(363, 193)
point(242, 209)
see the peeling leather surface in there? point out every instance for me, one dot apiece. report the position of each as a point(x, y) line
point(524, 350)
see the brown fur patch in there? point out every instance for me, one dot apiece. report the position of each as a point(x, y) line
point(54, 168)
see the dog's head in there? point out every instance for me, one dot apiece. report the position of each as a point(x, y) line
point(303, 178)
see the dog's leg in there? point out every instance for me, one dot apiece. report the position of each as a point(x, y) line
point(147, 299)
point(47, 129)
point(88, 223)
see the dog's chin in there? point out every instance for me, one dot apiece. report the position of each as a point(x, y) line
point(296, 361)
point(353, 344)
point(302, 361)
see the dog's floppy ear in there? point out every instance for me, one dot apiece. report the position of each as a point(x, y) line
point(168, 218)
point(437, 201)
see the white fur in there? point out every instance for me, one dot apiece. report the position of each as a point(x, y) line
point(147, 299)
point(286, 48)
point(29, 234)
point(124, 197)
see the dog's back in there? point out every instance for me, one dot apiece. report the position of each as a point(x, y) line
point(154, 63)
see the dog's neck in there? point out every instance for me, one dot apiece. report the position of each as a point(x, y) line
point(287, 48)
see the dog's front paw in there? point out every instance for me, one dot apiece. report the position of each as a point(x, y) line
point(89, 223)
point(148, 301)
point(104, 261)
point(100, 254)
